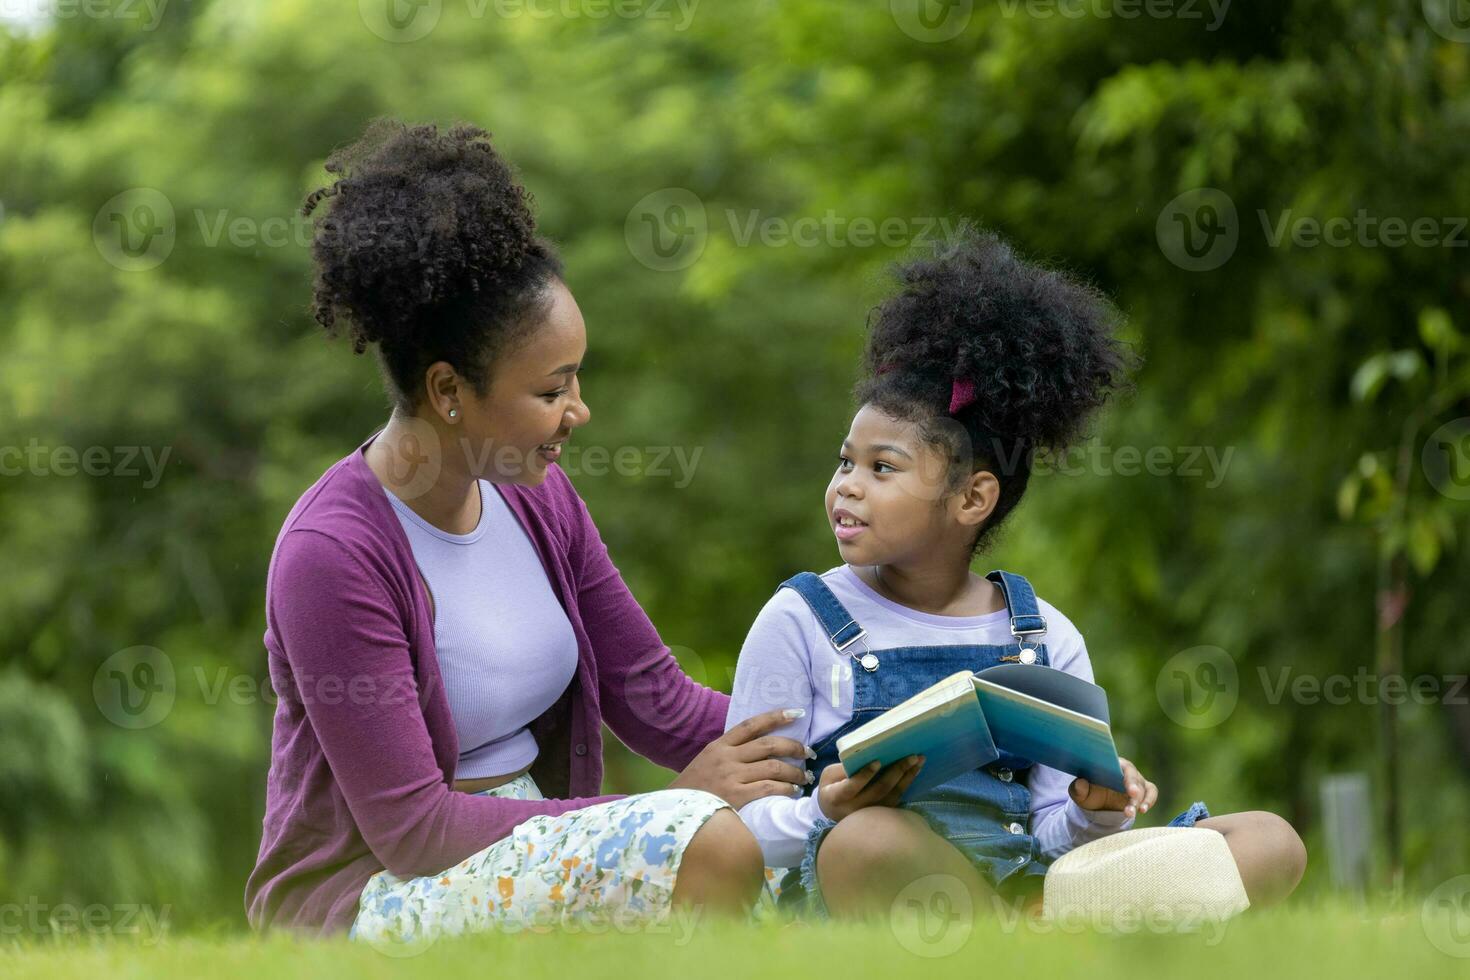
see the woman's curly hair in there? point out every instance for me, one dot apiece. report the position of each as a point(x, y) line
point(1037, 346)
point(428, 250)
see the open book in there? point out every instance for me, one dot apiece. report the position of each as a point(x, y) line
point(966, 720)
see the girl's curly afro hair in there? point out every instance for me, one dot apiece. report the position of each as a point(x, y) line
point(1037, 346)
point(428, 250)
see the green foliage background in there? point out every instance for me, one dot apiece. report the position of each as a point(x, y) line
point(1068, 134)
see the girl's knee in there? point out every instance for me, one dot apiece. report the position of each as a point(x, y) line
point(1261, 826)
point(1268, 841)
point(723, 846)
point(875, 839)
point(1276, 833)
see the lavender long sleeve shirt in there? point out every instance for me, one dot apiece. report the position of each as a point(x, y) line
point(787, 661)
point(364, 747)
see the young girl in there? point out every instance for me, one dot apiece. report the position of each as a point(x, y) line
point(978, 361)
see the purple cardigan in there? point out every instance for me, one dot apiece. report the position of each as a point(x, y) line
point(364, 747)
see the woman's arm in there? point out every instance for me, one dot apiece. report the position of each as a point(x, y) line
point(647, 700)
point(349, 660)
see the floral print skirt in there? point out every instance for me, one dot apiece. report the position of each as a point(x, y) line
point(612, 865)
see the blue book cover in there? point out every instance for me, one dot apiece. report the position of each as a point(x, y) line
point(966, 720)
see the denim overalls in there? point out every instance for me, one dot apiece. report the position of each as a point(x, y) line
point(985, 812)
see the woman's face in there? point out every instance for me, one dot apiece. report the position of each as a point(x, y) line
point(534, 401)
point(889, 501)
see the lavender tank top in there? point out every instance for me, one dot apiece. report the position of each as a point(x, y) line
point(505, 646)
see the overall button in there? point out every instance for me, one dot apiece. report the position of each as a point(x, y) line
point(1021, 860)
point(581, 748)
point(1004, 775)
point(1016, 828)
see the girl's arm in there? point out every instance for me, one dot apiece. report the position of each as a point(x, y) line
point(1057, 822)
point(774, 671)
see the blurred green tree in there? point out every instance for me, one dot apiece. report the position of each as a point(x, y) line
point(728, 183)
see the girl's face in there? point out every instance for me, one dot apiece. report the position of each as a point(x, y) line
point(889, 501)
point(534, 401)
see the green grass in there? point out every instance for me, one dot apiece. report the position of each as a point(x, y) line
point(1261, 945)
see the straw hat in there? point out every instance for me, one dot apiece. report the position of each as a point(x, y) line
point(1172, 877)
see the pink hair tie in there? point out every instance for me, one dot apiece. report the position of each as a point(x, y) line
point(961, 395)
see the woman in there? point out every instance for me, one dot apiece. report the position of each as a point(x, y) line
point(445, 630)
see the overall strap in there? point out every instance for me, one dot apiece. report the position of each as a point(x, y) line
point(1026, 618)
point(838, 624)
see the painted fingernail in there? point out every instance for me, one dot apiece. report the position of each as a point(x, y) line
point(809, 777)
point(809, 753)
point(794, 713)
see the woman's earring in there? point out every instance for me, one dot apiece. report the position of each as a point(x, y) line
point(453, 412)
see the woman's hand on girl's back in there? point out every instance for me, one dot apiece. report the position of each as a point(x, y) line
point(839, 794)
point(746, 764)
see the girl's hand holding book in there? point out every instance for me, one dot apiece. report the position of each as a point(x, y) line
point(839, 794)
point(1140, 796)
